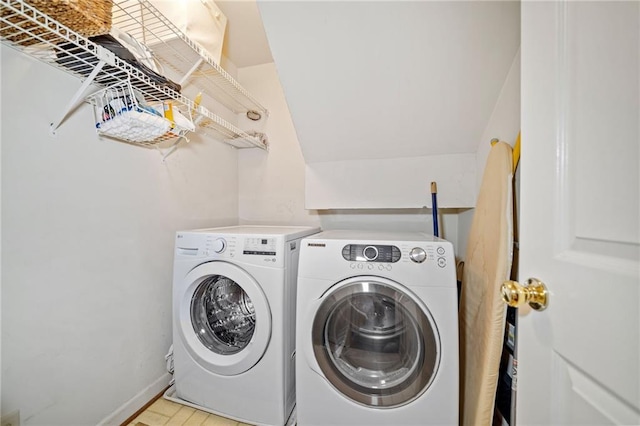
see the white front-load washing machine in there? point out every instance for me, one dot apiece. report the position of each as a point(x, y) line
point(234, 293)
point(377, 330)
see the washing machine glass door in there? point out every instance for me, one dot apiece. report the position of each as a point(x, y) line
point(222, 315)
point(375, 342)
point(225, 318)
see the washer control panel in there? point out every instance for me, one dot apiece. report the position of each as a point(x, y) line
point(371, 253)
point(260, 246)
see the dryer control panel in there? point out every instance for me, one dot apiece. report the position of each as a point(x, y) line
point(371, 253)
point(386, 255)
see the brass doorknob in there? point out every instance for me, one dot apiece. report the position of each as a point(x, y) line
point(534, 292)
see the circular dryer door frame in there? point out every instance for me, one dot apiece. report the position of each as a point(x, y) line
point(381, 317)
point(230, 364)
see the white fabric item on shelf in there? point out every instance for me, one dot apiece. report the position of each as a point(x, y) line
point(134, 126)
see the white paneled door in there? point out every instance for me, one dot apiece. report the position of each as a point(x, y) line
point(579, 360)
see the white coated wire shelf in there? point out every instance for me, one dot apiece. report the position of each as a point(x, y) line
point(25, 28)
point(175, 50)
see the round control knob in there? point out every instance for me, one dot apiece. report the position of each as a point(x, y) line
point(418, 255)
point(370, 253)
point(219, 245)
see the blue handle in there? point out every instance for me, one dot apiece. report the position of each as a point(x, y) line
point(434, 212)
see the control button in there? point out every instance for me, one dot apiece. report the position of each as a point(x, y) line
point(442, 262)
point(389, 267)
point(352, 266)
point(370, 266)
point(381, 267)
point(370, 253)
point(418, 255)
point(360, 266)
point(440, 250)
point(219, 245)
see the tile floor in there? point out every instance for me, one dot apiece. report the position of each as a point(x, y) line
point(164, 412)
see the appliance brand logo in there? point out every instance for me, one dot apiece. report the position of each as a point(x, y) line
point(316, 244)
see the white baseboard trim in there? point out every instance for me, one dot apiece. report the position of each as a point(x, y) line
point(129, 408)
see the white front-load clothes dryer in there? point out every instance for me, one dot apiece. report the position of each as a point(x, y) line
point(377, 330)
point(234, 293)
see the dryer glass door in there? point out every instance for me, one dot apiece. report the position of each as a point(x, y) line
point(375, 343)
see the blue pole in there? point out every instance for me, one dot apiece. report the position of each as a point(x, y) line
point(434, 208)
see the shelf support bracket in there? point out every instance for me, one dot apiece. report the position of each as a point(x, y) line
point(191, 71)
point(78, 95)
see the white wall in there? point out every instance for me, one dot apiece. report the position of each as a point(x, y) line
point(392, 182)
point(503, 125)
point(271, 184)
point(87, 236)
point(505, 118)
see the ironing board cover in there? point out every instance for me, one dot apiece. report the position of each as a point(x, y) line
point(482, 311)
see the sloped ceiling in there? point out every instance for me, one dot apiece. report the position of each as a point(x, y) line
point(245, 42)
point(379, 80)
